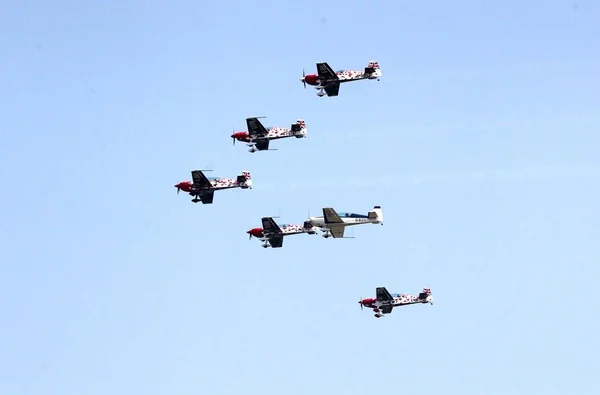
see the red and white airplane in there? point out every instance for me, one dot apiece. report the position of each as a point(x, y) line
point(272, 234)
point(258, 137)
point(329, 81)
point(384, 302)
point(203, 188)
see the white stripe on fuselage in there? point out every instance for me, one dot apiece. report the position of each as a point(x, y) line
point(404, 300)
point(278, 133)
point(320, 221)
point(292, 229)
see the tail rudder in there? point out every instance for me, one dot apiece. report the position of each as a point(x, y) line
point(373, 69)
point(425, 296)
point(245, 179)
point(377, 214)
point(374, 65)
point(299, 128)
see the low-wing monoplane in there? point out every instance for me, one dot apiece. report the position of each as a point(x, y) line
point(328, 81)
point(384, 302)
point(271, 234)
point(203, 188)
point(333, 224)
point(257, 137)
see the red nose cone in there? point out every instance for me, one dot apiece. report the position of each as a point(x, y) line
point(239, 135)
point(256, 232)
point(311, 79)
point(184, 186)
point(367, 301)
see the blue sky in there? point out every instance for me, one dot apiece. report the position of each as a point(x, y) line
point(480, 143)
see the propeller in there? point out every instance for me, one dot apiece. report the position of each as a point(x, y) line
point(303, 78)
point(233, 138)
point(178, 190)
point(250, 234)
point(361, 304)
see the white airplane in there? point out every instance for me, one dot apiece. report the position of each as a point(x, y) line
point(384, 302)
point(258, 136)
point(333, 224)
point(203, 188)
point(272, 234)
point(328, 81)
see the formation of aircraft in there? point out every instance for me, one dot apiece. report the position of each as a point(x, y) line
point(203, 188)
point(272, 234)
point(258, 137)
point(328, 81)
point(333, 224)
point(384, 302)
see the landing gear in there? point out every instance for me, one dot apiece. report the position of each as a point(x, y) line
point(195, 200)
point(377, 313)
point(252, 149)
point(266, 244)
point(327, 235)
point(321, 94)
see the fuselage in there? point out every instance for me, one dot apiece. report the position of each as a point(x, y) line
point(343, 76)
point(273, 133)
point(286, 230)
point(348, 219)
point(217, 183)
point(399, 300)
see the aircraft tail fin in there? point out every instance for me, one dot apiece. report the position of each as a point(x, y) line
point(299, 128)
point(372, 70)
point(377, 214)
point(425, 296)
point(244, 180)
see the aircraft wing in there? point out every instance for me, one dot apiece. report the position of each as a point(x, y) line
point(255, 128)
point(332, 90)
point(262, 144)
point(270, 227)
point(325, 72)
point(276, 242)
point(331, 216)
point(200, 180)
point(207, 198)
point(383, 295)
point(337, 231)
point(386, 309)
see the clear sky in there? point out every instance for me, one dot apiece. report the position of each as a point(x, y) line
point(480, 142)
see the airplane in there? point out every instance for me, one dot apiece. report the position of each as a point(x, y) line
point(384, 302)
point(333, 224)
point(258, 137)
point(329, 81)
point(203, 188)
point(271, 234)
